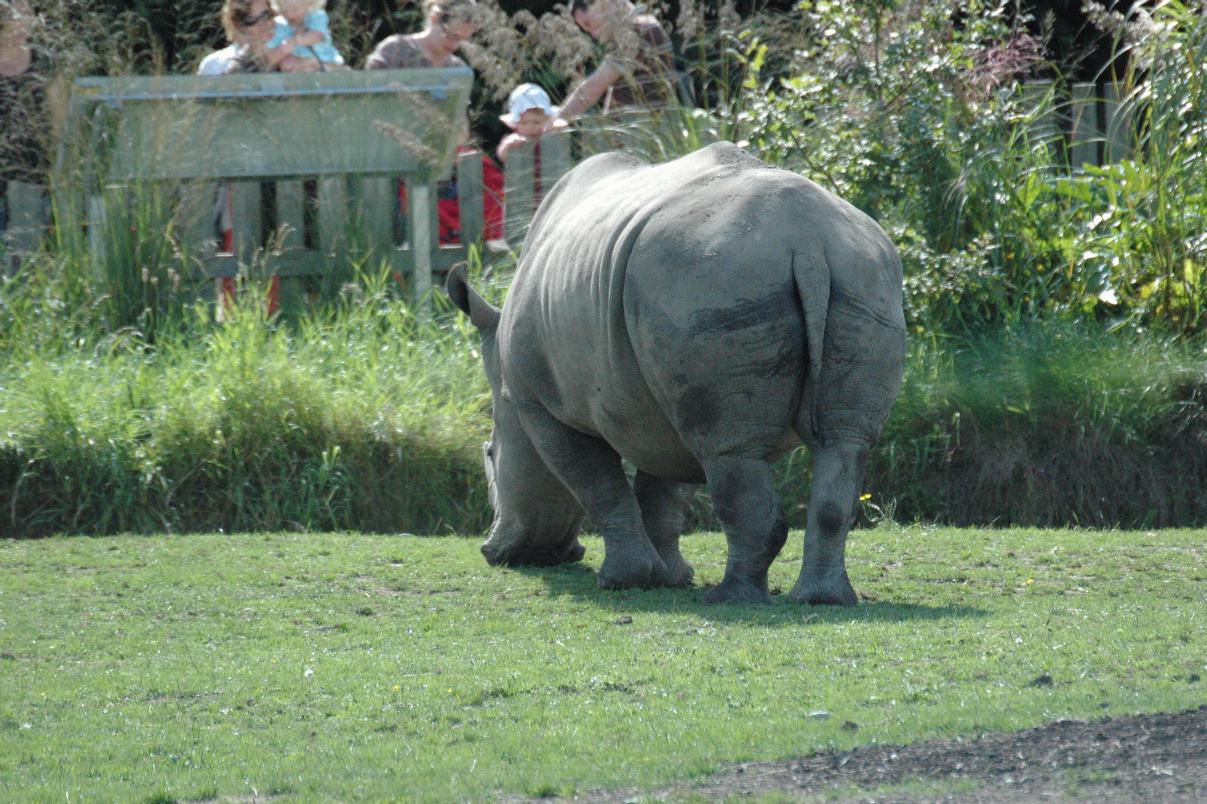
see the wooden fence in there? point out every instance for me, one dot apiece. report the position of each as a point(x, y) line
point(308, 219)
point(1089, 124)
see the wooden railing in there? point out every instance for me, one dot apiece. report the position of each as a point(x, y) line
point(320, 199)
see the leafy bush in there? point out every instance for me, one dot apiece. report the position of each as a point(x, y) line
point(913, 112)
point(365, 417)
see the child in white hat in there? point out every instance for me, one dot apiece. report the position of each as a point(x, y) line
point(528, 113)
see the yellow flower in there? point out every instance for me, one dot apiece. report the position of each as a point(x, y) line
point(397, 688)
point(1028, 582)
point(865, 497)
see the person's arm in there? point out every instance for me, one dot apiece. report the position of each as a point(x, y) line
point(317, 21)
point(588, 93)
point(308, 37)
point(509, 142)
point(274, 56)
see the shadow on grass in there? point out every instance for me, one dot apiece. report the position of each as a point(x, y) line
point(578, 581)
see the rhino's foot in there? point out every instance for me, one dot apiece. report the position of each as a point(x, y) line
point(574, 552)
point(824, 589)
point(633, 568)
point(733, 590)
point(571, 552)
point(679, 572)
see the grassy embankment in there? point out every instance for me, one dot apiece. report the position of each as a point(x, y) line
point(372, 667)
point(369, 419)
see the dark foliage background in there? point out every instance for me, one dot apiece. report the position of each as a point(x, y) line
point(179, 27)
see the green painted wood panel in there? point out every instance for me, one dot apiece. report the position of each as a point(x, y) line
point(195, 216)
point(332, 213)
point(376, 199)
point(1120, 123)
point(291, 215)
point(555, 158)
point(518, 193)
point(26, 218)
point(270, 124)
point(470, 192)
point(1086, 134)
point(246, 200)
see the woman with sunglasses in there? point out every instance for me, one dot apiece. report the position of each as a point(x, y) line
point(248, 25)
point(249, 28)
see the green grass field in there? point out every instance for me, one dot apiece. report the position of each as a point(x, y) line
point(366, 667)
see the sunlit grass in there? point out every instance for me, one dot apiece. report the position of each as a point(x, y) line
point(351, 667)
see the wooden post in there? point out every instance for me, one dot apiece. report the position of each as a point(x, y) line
point(377, 200)
point(555, 159)
point(1038, 101)
point(332, 214)
point(470, 193)
point(1086, 134)
point(97, 224)
point(421, 195)
point(245, 197)
point(517, 194)
point(291, 222)
point(1120, 123)
point(26, 219)
point(196, 218)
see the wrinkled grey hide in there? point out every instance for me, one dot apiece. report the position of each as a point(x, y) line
point(698, 318)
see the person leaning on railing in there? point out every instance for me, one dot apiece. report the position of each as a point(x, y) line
point(249, 27)
point(639, 70)
point(32, 105)
point(448, 24)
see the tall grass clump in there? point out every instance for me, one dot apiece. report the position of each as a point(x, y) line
point(364, 416)
point(1048, 424)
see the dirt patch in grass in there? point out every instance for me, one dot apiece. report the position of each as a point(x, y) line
point(1146, 758)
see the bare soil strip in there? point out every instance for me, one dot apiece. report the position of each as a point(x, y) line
point(1141, 758)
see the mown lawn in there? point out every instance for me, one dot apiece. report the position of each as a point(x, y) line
point(342, 666)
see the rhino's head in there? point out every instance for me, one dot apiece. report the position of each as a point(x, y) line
point(536, 518)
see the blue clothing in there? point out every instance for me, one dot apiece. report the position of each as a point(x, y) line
point(315, 20)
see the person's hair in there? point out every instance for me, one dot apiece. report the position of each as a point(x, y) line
point(12, 9)
point(451, 10)
point(279, 5)
point(233, 13)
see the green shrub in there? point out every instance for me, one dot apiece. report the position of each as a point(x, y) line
point(1049, 424)
point(365, 417)
point(370, 419)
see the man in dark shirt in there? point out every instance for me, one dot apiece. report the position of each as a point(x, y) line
point(639, 70)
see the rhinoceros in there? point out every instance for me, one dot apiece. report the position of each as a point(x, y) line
point(698, 319)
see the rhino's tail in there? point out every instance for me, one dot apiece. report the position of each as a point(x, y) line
point(812, 276)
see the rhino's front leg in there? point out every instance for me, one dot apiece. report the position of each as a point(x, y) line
point(748, 507)
point(661, 504)
point(592, 471)
point(837, 479)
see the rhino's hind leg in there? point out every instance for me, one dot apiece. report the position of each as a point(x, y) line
point(837, 479)
point(661, 504)
point(593, 473)
point(747, 506)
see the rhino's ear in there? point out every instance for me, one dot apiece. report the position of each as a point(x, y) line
point(483, 314)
